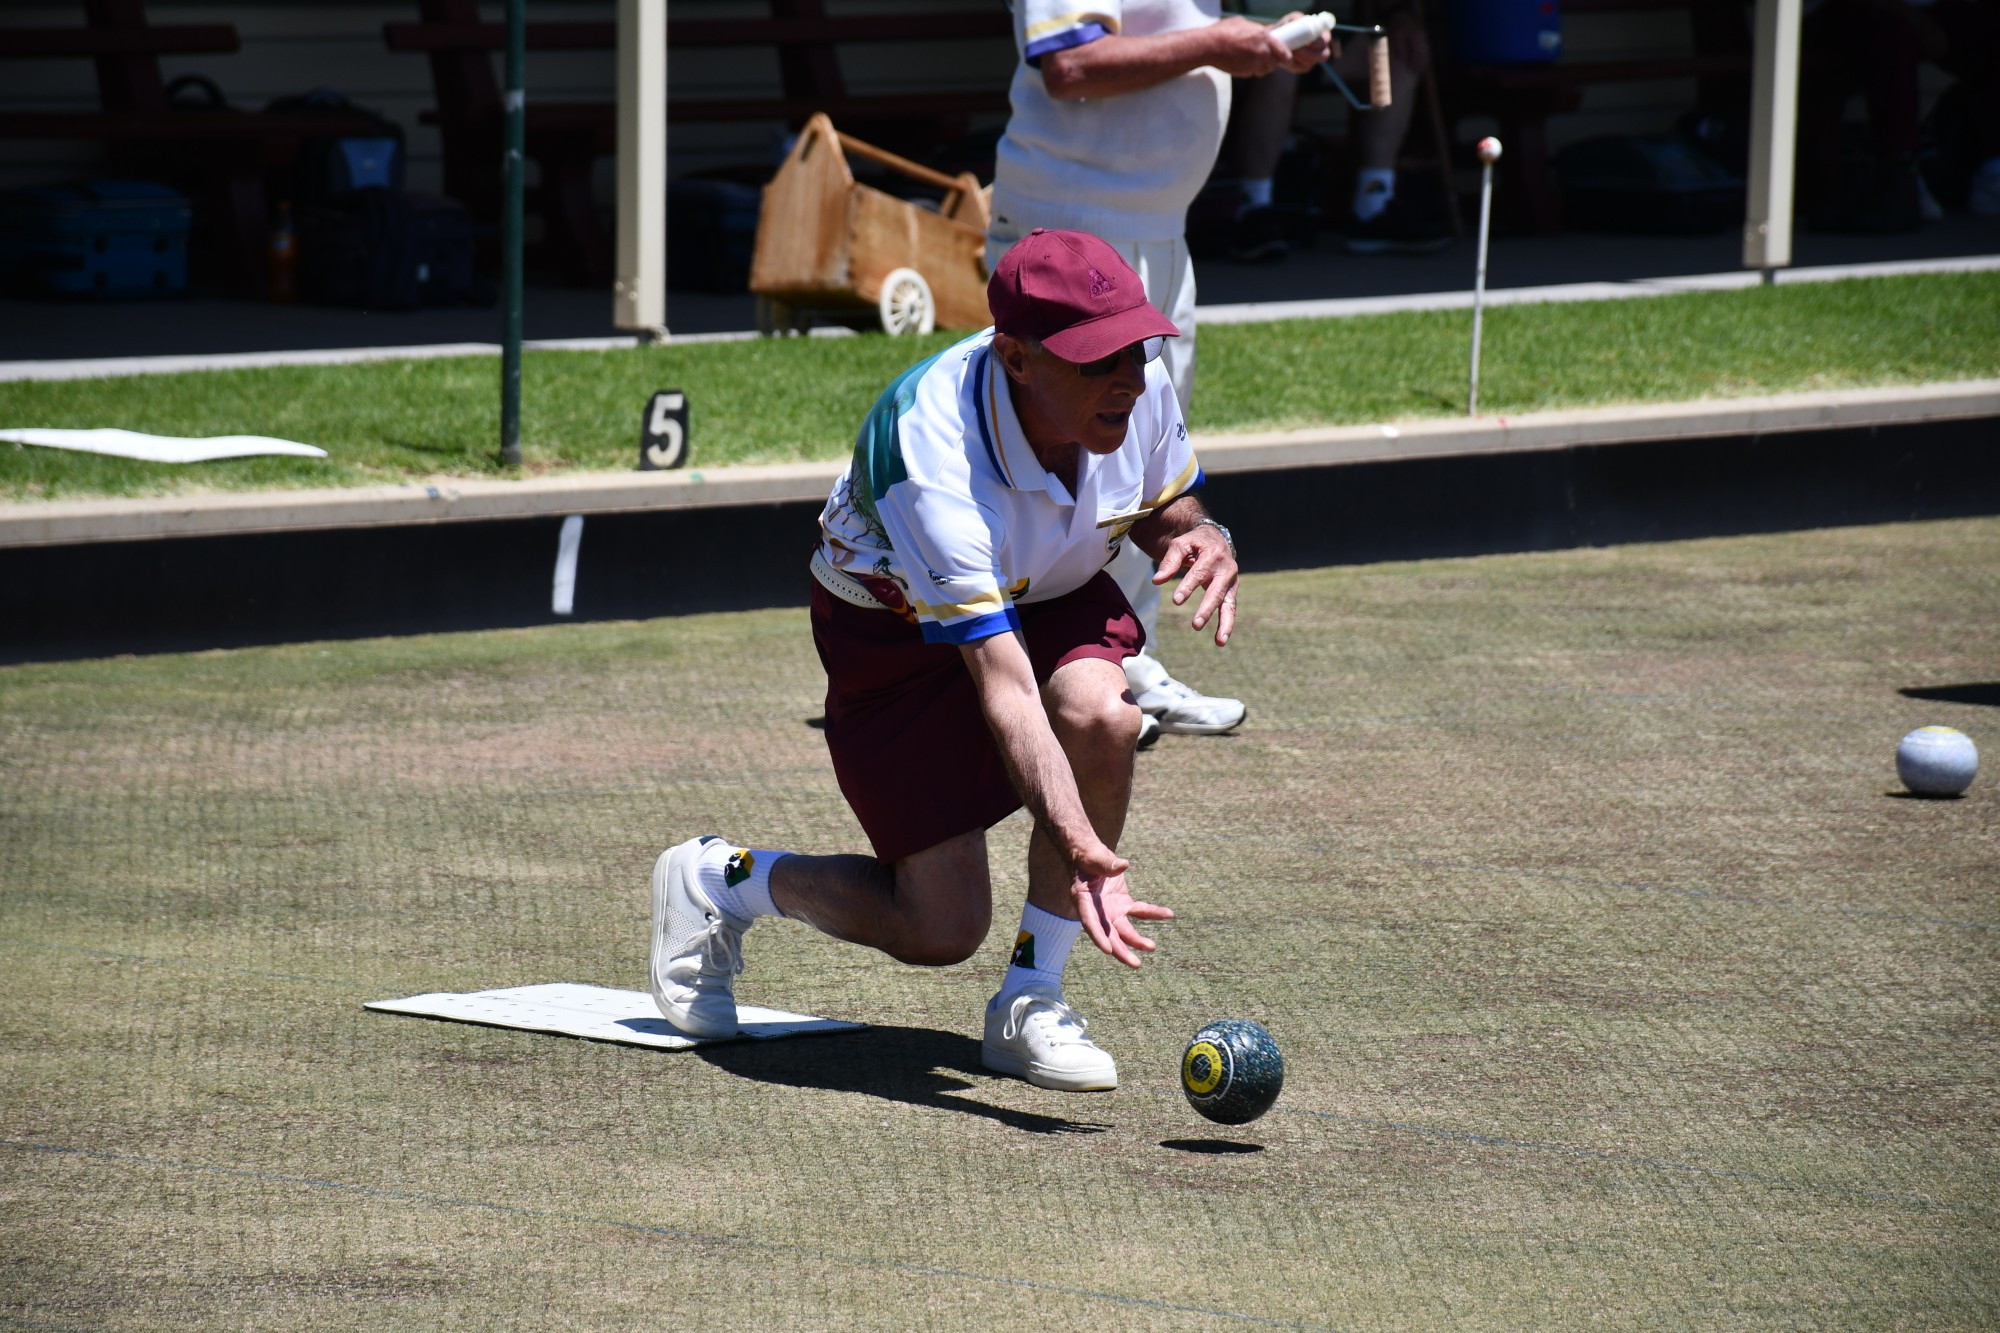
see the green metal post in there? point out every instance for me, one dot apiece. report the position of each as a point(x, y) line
point(510, 234)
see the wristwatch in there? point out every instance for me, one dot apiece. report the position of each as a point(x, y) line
point(1228, 540)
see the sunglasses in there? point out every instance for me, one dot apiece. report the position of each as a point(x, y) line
point(1140, 352)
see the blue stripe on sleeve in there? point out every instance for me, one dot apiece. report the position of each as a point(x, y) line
point(1062, 41)
point(972, 631)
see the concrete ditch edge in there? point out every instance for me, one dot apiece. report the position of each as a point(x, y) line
point(74, 522)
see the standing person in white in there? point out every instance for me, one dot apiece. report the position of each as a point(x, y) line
point(1118, 113)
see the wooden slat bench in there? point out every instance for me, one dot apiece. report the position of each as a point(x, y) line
point(564, 137)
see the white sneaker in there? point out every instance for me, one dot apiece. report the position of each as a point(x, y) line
point(1033, 1035)
point(1182, 711)
point(1149, 731)
point(697, 951)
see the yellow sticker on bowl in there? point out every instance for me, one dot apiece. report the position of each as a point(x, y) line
point(1201, 1068)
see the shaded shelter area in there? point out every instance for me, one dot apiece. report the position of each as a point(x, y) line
point(123, 87)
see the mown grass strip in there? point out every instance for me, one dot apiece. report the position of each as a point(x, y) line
point(793, 400)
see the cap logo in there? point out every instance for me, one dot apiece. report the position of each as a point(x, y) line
point(1074, 294)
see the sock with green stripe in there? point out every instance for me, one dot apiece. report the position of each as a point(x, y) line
point(738, 879)
point(1040, 951)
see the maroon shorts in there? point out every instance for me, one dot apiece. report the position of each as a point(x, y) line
point(910, 745)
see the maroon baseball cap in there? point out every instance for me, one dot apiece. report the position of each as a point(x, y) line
point(1074, 294)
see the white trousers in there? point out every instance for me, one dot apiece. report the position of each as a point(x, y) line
point(1167, 273)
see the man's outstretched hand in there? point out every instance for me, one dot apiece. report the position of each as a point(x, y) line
point(1107, 909)
point(1203, 558)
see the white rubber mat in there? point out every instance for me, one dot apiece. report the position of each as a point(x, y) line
point(162, 448)
point(628, 1017)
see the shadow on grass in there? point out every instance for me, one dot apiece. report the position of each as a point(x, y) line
point(916, 1066)
point(1982, 692)
point(1924, 796)
point(1211, 1147)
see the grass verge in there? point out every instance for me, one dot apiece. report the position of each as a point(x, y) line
point(768, 401)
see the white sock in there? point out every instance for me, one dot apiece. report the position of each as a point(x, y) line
point(1040, 951)
point(1374, 187)
point(1256, 193)
point(738, 879)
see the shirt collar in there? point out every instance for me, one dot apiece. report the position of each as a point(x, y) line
point(1000, 429)
point(1019, 467)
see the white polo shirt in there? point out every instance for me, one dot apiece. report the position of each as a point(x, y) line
point(946, 515)
point(1125, 167)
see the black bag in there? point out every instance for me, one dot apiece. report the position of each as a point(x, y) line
point(333, 168)
point(388, 250)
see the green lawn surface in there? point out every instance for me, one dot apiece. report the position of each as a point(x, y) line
point(802, 399)
point(1620, 986)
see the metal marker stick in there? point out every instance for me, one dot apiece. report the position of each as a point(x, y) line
point(1489, 153)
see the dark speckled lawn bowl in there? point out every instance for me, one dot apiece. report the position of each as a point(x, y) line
point(1232, 1071)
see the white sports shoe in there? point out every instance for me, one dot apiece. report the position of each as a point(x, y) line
point(1033, 1035)
point(1149, 731)
point(1182, 711)
point(697, 951)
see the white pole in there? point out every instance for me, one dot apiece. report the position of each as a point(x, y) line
point(639, 295)
point(1767, 225)
point(1489, 153)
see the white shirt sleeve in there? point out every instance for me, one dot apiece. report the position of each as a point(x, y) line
point(949, 548)
point(1042, 26)
point(1171, 467)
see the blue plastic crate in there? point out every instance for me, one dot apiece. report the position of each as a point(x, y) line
point(95, 238)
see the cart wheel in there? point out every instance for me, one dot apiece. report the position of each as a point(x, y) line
point(905, 303)
point(775, 318)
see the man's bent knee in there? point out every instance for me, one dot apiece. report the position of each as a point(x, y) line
point(1088, 701)
point(941, 948)
point(946, 899)
point(943, 934)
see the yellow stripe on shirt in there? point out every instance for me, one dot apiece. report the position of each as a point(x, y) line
point(1173, 488)
point(984, 604)
point(1075, 19)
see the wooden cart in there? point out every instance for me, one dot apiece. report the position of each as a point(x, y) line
point(828, 243)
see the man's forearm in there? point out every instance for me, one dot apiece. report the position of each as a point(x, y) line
point(1035, 761)
point(1113, 65)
